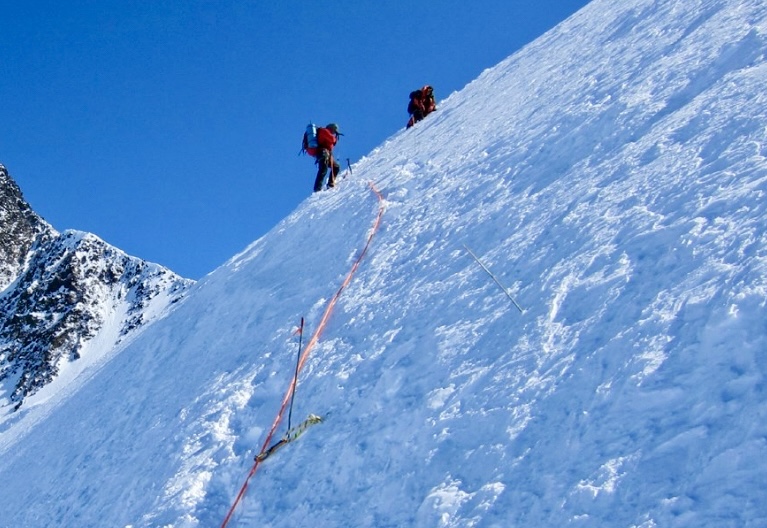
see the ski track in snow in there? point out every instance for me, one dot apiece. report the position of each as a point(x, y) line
point(612, 175)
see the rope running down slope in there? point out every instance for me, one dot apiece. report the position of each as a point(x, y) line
point(307, 350)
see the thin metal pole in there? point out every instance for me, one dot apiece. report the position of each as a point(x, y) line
point(295, 376)
point(506, 291)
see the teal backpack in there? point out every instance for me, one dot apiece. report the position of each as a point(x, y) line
point(309, 144)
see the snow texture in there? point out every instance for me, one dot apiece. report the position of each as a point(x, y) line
point(612, 176)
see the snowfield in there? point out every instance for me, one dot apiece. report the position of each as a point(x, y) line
point(612, 176)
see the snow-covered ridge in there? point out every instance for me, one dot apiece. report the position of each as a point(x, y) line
point(63, 290)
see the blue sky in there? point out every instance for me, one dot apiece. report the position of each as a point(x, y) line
point(171, 128)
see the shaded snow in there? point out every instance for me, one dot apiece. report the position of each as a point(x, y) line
point(612, 175)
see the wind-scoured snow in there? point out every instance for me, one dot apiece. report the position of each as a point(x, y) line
point(612, 176)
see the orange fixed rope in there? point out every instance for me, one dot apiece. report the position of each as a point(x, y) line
point(307, 351)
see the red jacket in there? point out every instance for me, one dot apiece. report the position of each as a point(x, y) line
point(326, 139)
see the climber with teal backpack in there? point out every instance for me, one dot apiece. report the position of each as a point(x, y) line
point(319, 143)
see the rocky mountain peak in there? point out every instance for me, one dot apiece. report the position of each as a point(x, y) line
point(20, 227)
point(60, 291)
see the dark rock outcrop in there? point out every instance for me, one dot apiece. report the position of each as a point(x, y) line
point(58, 291)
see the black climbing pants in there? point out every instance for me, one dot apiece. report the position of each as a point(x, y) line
point(324, 161)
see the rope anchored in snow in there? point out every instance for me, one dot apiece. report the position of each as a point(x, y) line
point(294, 432)
point(291, 435)
point(303, 356)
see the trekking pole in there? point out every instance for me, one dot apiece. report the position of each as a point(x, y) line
point(295, 376)
point(494, 278)
point(348, 166)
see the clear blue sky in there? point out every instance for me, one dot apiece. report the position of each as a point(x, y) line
point(171, 128)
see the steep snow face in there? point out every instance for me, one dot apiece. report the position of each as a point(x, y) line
point(61, 291)
point(612, 176)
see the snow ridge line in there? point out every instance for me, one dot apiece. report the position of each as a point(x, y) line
point(305, 354)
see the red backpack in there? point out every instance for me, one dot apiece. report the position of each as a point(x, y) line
point(427, 99)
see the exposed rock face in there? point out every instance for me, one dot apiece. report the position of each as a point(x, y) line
point(59, 291)
point(20, 227)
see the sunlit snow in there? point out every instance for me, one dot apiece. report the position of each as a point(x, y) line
point(612, 176)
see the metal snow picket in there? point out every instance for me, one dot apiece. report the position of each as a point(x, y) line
point(505, 290)
point(303, 356)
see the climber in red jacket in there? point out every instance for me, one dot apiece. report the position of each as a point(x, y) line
point(327, 137)
point(421, 104)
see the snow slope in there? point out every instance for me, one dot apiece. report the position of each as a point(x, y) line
point(612, 175)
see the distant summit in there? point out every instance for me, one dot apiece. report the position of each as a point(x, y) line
point(20, 227)
point(59, 291)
